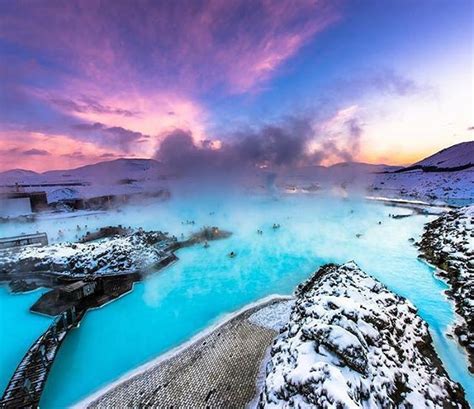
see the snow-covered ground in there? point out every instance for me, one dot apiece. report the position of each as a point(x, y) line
point(448, 242)
point(447, 175)
point(430, 186)
point(274, 316)
point(135, 252)
point(351, 343)
point(147, 176)
point(117, 177)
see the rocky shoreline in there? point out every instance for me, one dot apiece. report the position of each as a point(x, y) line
point(352, 343)
point(448, 243)
point(346, 341)
point(135, 251)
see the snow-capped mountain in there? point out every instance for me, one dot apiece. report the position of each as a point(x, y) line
point(456, 156)
point(103, 171)
point(447, 175)
point(120, 176)
point(115, 169)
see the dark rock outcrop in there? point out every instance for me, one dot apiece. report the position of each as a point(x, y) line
point(448, 243)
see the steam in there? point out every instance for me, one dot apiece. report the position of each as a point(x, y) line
point(286, 145)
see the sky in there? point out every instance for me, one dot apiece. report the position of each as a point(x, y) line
point(260, 82)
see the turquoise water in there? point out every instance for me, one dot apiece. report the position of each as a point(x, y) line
point(205, 284)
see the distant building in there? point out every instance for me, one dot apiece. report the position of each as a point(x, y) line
point(15, 204)
point(26, 240)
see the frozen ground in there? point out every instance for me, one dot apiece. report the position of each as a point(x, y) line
point(351, 343)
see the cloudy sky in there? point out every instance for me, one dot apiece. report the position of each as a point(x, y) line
point(287, 82)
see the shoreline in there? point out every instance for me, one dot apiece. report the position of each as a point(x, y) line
point(172, 353)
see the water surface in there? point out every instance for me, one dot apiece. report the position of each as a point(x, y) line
point(205, 284)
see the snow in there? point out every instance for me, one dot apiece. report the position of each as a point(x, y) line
point(144, 176)
point(65, 193)
point(135, 252)
point(448, 242)
point(117, 177)
point(461, 154)
point(351, 343)
point(432, 185)
point(428, 186)
point(274, 316)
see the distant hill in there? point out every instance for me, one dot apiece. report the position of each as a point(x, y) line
point(363, 167)
point(18, 173)
point(447, 175)
point(455, 158)
point(461, 154)
point(109, 171)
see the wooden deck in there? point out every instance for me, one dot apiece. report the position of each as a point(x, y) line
point(27, 383)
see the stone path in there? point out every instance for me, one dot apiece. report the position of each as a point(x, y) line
point(216, 371)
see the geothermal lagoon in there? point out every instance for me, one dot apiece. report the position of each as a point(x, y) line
point(205, 285)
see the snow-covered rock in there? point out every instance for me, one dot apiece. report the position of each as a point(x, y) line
point(351, 343)
point(65, 193)
point(136, 252)
point(448, 243)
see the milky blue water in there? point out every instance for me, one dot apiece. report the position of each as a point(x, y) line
point(205, 284)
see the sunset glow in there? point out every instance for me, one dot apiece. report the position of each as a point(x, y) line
point(88, 81)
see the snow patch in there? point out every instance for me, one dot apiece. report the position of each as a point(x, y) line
point(351, 343)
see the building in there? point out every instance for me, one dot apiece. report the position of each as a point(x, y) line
point(77, 290)
point(14, 204)
point(26, 240)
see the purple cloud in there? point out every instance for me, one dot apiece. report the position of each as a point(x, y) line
point(89, 105)
point(36, 152)
point(26, 152)
point(115, 136)
point(236, 44)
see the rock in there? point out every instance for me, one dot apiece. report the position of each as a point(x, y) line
point(448, 243)
point(21, 286)
point(137, 251)
point(351, 343)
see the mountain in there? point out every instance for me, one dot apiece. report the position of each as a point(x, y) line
point(116, 177)
point(17, 174)
point(108, 171)
point(447, 175)
point(456, 157)
point(102, 172)
point(363, 167)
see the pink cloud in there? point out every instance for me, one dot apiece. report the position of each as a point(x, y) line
point(176, 45)
point(28, 150)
